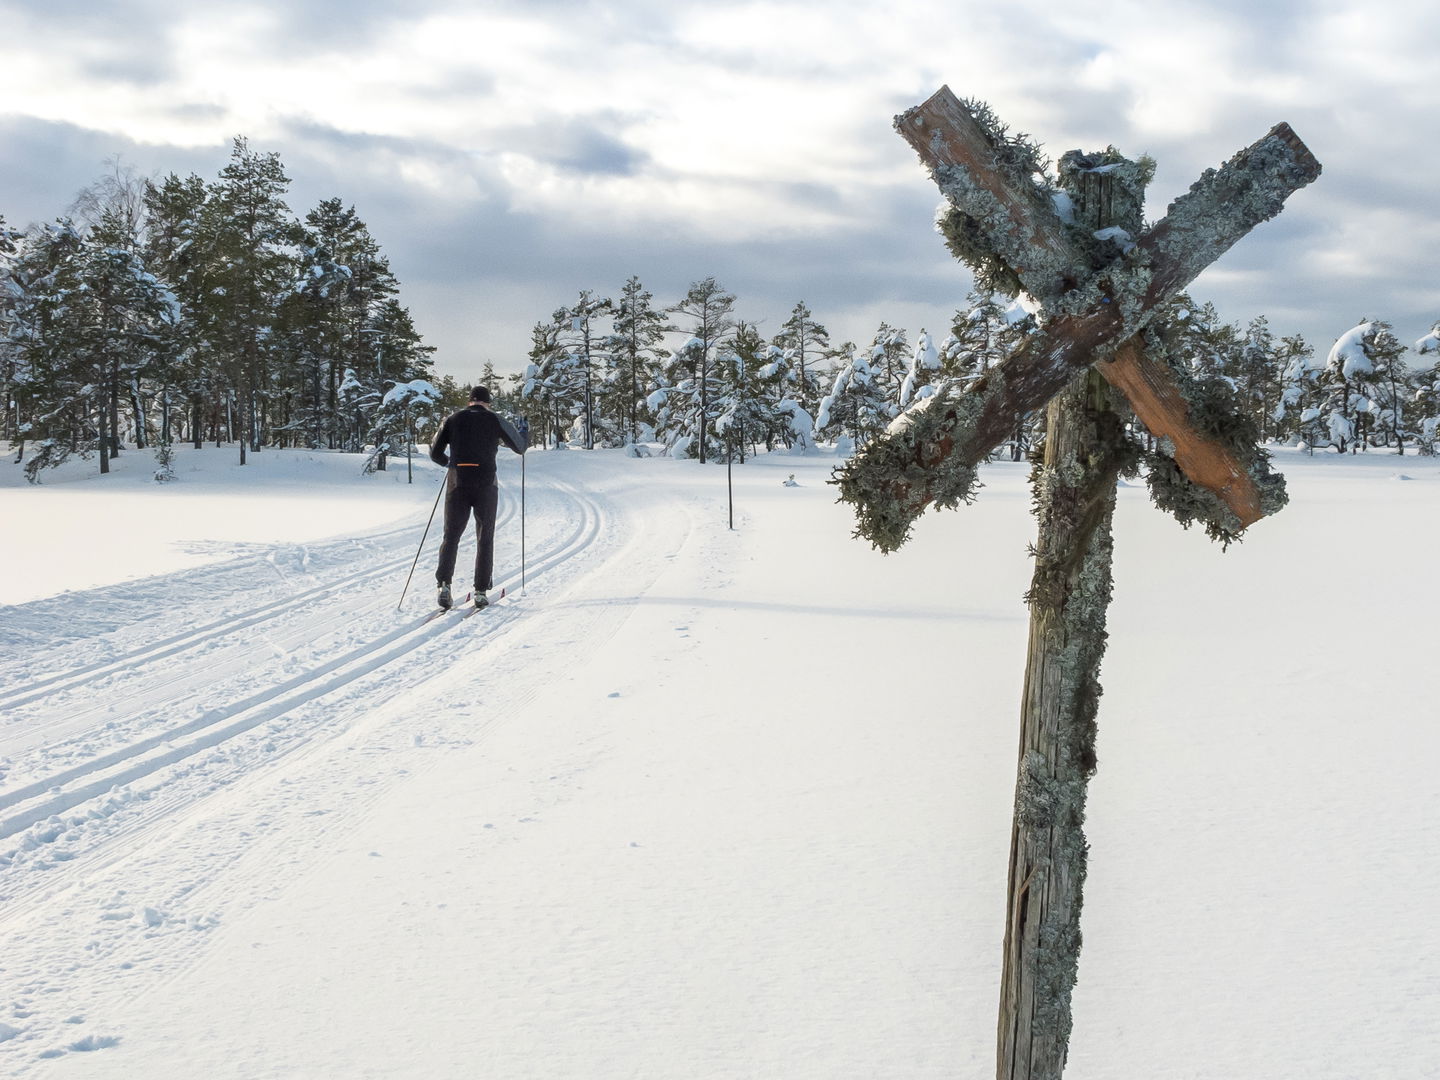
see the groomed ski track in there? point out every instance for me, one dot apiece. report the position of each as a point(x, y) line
point(130, 780)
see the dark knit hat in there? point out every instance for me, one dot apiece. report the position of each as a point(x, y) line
point(480, 393)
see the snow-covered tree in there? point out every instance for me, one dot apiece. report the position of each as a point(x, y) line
point(857, 407)
point(689, 387)
point(746, 412)
point(804, 344)
point(9, 365)
point(48, 340)
point(404, 408)
point(981, 335)
point(251, 319)
point(1257, 374)
point(132, 317)
point(400, 357)
point(88, 322)
point(1296, 416)
point(920, 376)
point(341, 285)
point(585, 340)
point(707, 310)
point(247, 234)
point(1425, 397)
point(634, 347)
point(889, 356)
point(173, 252)
point(552, 391)
point(794, 425)
point(1365, 385)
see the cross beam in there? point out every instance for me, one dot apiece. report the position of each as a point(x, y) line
point(1093, 315)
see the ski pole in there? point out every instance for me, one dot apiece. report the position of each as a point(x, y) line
point(522, 519)
point(421, 548)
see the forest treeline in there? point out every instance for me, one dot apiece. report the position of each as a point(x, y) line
point(181, 310)
point(602, 374)
point(184, 310)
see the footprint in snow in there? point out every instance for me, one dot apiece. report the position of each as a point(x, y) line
point(94, 1042)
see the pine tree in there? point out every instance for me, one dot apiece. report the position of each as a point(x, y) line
point(1425, 394)
point(1296, 415)
point(248, 234)
point(130, 322)
point(48, 336)
point(400, 358)
point(584, 343)
point(920, 376)
point(181, 293)
point(9, 361)
point(978, 337)
point(982, 334)
point(174, 253)
point(1257, 375)
point(804, 344)
point(1389, 388)
point(342, 284)
point(635, 349)
point(857, 407)
point(747, 413)
point(707, 308)
point(1365, 388)
point(889, 363)
point(793, 423)
point(552, 387)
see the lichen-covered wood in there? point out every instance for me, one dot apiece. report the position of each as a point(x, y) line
point(1089, 313)
point(1005, 225)
point(1086, 450)
point(1076, 243)
point(1210, 409)
point(1232, 480)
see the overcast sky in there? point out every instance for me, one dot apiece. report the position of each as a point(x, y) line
point(507, 155)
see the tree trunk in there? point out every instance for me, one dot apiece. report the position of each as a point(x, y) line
point(112, 418)
point(704, 423)
point(137, 408)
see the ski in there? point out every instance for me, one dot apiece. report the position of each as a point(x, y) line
point(489, 602)
point(465, 608)
point(453, 607)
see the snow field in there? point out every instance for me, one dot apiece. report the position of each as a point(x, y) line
point(78, 530)
point(706, 803)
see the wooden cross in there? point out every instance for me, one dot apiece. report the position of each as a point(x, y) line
point(1092, 317)
point(1096, 306)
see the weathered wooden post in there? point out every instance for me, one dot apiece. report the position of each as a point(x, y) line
point(1100, 281)
point(1086, 449)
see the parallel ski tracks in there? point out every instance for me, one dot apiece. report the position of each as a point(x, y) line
point(151, 769)
point(208, 633)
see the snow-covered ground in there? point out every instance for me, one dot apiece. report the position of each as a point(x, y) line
point(696, 802)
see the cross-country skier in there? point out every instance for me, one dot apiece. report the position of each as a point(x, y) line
point(473, 436)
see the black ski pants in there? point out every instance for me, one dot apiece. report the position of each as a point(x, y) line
point(469, 494)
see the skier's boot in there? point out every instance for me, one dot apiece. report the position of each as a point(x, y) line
point(480, 599)
point(444, 598)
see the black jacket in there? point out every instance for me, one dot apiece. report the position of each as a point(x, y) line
point(473, 436)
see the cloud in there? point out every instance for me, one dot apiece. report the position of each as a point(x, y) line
point(509, 154)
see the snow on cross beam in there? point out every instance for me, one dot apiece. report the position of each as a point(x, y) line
point(1089, 312)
